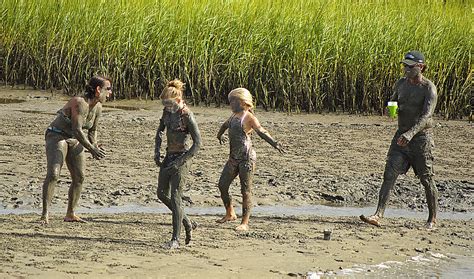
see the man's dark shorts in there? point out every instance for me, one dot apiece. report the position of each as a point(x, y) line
point(417, 154)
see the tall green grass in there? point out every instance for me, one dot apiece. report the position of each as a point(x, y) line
point(298, 55)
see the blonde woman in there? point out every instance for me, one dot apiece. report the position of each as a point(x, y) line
point(242, 156)
point(180, 124)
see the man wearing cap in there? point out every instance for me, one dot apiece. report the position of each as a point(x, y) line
point(413, 141)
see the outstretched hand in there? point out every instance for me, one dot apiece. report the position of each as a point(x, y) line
point(222, 139)
point(280, 148)
point(98, 152)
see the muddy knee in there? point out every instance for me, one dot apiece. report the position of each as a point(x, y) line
point(390, 173)
point(176, 200)
point(161, 195)
point(78, 179)
point(53, 174)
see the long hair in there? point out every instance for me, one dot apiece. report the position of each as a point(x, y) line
point(95, 81)
point(173, 90)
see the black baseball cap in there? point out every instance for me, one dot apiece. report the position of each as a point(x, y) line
point(413, 57)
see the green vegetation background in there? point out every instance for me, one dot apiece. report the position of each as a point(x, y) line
point(298, 55)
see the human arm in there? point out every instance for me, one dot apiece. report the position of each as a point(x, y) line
point(223, 128)
point(158, 140)
point(262, 133)
point(79, 108)
point(92, 132)
point(397, 84)
point(424, 120)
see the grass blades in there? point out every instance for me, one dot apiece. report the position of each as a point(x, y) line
point(299, 55)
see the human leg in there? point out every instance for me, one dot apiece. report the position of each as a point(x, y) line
point(422, 161)
point(163, 190)
point(396, 164)
point(246, 171)
point(56, 150)
point(75, 161)
point(431, 193)
point(177, 181)
point(228, 174)
point(164, 195)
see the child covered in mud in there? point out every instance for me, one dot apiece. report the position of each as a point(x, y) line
point(242, 157)
point(180, 124)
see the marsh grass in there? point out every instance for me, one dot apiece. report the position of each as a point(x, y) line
point(299, 55)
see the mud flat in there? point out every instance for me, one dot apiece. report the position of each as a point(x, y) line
point(335, 160)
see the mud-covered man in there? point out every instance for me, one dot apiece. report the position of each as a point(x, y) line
point(413, 142)
point(179, 123)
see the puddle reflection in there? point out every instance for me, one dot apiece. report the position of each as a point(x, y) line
point(281, 211)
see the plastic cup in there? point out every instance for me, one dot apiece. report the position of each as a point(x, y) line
point(392, 109)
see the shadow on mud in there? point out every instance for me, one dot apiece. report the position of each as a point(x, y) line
point(11, 101)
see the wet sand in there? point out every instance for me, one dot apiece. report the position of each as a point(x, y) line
point(332, 159)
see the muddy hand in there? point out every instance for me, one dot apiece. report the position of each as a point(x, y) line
point(222, 140)
point(280, 148)
point(98, 153)
point(402, 141)
point(157, 160)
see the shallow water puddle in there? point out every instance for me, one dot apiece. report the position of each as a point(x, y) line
point(429, 265)
point(281, 211)
point(122, 107)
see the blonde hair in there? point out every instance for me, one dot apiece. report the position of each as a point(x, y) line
point(173, 90)
point(242, 94)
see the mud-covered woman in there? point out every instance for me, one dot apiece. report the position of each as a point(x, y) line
point(179, 123)
point(72, 131)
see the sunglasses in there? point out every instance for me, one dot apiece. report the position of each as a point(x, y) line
point(108, 88)
point(410, 66)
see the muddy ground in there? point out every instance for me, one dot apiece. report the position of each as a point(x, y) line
point(331, 159)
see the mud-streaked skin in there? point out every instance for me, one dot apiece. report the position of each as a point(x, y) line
point(413, 141)
point(242, 158)
point(179, 123)
point(65, 143)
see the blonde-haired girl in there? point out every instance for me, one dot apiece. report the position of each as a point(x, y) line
point(242, 157)
point(180, 124)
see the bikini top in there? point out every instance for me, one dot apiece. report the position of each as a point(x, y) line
point(86, 125)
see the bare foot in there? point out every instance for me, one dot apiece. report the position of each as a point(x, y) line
point(227, 218)
point(242, 227)
point(44, 220)
point(74, 218)
point(189, 231)
point(170, 245)
point(430, 225)
point(373, 220)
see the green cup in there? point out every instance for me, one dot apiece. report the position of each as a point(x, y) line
point(392, 109)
